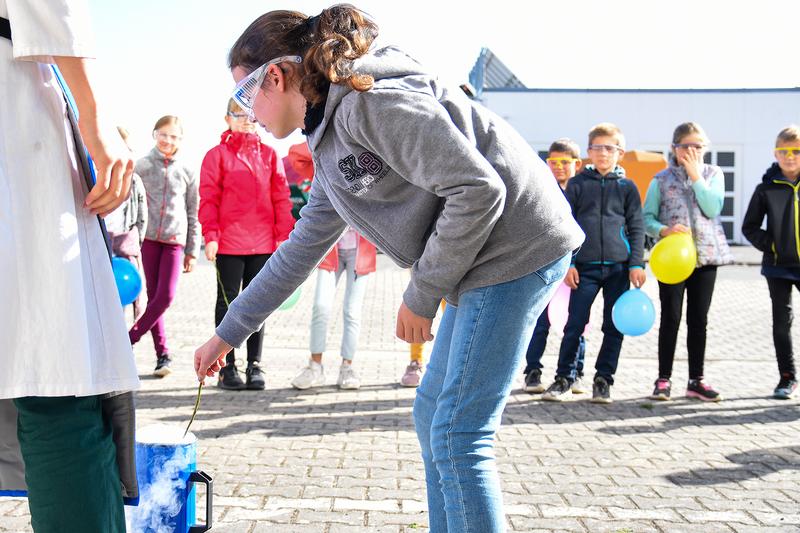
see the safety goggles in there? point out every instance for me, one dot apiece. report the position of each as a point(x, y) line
point(789, 151)
point(247, 89)
point(560, 161)
point(686, 146)
point(610, 148)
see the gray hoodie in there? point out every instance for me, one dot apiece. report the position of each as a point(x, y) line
point(172, 201)
point(437, 182)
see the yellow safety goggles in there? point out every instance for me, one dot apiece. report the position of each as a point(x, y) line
point(789, 151)
point(560, 161)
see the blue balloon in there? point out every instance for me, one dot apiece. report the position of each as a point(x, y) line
point(633, 313)
point(129, 282)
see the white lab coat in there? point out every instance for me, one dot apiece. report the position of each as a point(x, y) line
point(62, 330)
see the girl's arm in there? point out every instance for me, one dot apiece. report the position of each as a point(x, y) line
point(281, 199)
point(313, 236)
point(192, 228)
point(710, 195)
point(141, 215)
point(414, 135)
point(652, 205)
point(210, 195)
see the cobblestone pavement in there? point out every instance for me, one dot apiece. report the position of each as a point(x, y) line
point(335, 461)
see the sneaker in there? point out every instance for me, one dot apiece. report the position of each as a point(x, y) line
point(311, 376)
point(579, 386)
point(698, 389)
point(413, 375)
point(533, 381)
point(785, 389)
point(558, 391)
point(601, 391)
point(162, 365)
point(229, 378)
point(348, 379)
point(254, 376)
point(662, 390)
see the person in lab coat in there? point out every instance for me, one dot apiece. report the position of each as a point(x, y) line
point(67, 363)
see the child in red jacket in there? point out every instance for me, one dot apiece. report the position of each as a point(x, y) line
point(245, 213)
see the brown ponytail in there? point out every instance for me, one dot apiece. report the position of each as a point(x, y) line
point(328, 44)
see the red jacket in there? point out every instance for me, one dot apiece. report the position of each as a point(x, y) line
point(244, 197)
point(365, 258)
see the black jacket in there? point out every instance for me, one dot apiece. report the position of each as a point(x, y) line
point(777, 198)
point(609, 211)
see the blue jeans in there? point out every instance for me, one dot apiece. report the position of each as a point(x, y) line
point(533, 358)
point(477, 353)
point(613, 279)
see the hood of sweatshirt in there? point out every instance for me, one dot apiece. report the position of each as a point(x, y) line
point(237, 139)
point(386, 62)
point(591, 172)
point(773, 173)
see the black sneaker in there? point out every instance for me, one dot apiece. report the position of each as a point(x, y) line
point(558, 391)
point(254, 375)
point(162, 365)
point(662, 390)
point(786, 387)
point(229, 378)
point(533, 381)
point(601, 391)
point(700, 390)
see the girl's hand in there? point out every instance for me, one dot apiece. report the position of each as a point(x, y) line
point(572, 278)
point(113, 169)
point(637, 277)
point(211, 250)
point(677, 228)
point(412, 327)
point(188, 263)
point(692, 161)
point(210, 357)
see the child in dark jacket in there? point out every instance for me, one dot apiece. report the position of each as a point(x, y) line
point(776, 198)
point(609, 211)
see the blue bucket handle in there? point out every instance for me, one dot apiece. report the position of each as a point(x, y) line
point(199, 476)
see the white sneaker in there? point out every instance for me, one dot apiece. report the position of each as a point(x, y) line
point(348, 379)
point(311, 376)
point(579, 386)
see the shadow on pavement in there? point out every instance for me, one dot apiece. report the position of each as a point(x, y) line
point(751, 464)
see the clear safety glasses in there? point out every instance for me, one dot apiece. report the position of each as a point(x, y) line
point(247, 89)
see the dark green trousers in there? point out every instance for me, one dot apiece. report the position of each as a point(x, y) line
point(70, 465)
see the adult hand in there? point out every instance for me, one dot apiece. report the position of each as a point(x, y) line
point(572, 279)
point(675, 228)
point(211, 250)
point(692, 161)
point(210, 357)
point(637, 277)
point(113, 169)
point(411, 327)
point(188, 263)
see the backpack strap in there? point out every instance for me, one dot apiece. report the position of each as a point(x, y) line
point(5, 28)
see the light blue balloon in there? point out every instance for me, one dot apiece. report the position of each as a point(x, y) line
point(633, 313)
point(129, 282)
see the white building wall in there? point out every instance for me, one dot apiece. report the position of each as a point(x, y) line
point(744, 122)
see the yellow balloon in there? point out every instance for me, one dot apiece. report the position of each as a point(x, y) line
point(673, 258)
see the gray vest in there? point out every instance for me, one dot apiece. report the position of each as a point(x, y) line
point(679, 206)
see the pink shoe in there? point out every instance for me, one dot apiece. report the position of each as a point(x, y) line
point(413, 375)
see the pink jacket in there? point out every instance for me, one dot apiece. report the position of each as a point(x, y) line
point(366, 256)
point(244, 196)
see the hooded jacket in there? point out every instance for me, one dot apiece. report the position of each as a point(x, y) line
point(436, 181)
point(609, 210)
point(776, 198)
point(366, 258)
point(244, 197)
point(171, 201)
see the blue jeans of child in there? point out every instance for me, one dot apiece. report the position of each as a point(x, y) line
point(478, 350)
point(533, 358)
point(613, 280)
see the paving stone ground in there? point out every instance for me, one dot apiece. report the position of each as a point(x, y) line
point(335, 461)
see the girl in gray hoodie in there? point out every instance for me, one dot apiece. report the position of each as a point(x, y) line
point(440, 185)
